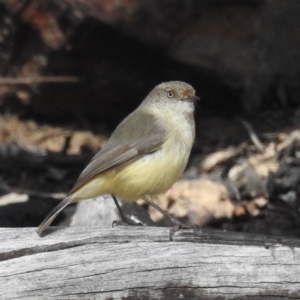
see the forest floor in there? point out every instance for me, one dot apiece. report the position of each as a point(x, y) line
point(243, 175)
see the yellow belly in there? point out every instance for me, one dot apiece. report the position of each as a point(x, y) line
point(151, 175)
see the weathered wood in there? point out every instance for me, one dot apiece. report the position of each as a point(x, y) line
point(141, 263)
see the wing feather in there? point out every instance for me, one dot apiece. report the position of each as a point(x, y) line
point(119, 150)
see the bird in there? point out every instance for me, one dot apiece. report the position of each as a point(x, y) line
point(145, 155)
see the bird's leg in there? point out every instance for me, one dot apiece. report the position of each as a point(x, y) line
point(148, 200)
point(124, 220)
point(177, 224)
point(119, 208)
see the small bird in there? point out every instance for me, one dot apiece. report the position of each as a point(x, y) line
point(146, 153)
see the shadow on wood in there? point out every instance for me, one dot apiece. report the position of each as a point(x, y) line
point(141, 263)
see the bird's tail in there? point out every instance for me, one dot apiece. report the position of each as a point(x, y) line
point(53, 214)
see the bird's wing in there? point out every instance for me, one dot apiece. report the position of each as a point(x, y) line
point(118, 151)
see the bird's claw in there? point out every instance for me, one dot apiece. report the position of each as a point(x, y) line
point(178, 226)
point(125, 223)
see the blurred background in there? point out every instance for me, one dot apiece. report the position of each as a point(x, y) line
point(71, 70)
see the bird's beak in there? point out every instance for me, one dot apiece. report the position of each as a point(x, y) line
point(192, 99)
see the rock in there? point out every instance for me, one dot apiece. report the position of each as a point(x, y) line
point(102, 212)
point(237, 53)
point(249, 47)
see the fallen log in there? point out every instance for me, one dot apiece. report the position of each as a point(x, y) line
point(142, 263)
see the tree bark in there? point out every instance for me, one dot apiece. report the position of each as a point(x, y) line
point(142, 263)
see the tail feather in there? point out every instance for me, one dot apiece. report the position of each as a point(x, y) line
point(53, 214)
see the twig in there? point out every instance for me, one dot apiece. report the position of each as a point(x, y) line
point(58, 196)
point(290, 141)
point(38, 79)
point(67, 143)
point(253, 136)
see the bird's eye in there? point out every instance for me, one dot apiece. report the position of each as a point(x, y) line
point(170, 94)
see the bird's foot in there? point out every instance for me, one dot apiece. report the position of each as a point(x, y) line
point(178, 226)
point(125, 223)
